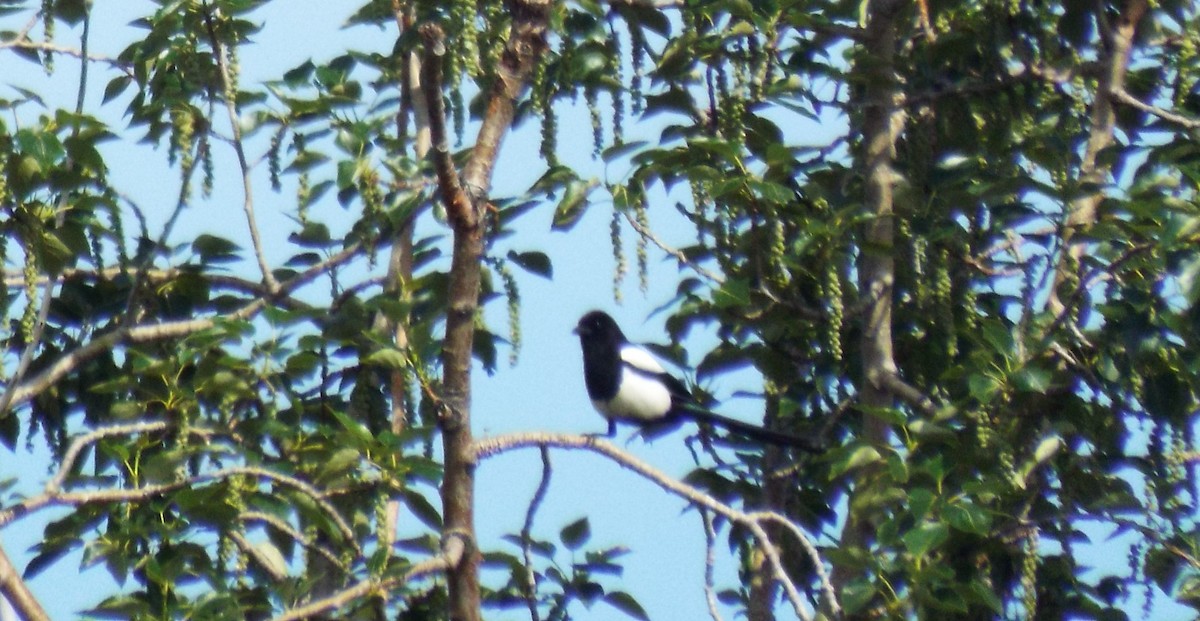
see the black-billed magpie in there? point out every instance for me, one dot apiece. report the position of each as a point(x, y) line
point(626, 383)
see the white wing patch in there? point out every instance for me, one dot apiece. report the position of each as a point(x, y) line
point(639, 358)
point(640, 397)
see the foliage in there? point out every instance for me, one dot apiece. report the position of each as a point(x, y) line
point(249, 430)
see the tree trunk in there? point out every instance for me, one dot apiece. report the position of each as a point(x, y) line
point(881, 123)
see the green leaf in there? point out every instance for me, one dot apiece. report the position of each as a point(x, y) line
point(853, 457)
point(985, 595)
point(982, 387)
point(483, 347)
point(773, 192)
point(390, 358)
point(115, 87)
point(999, 336)
point(48, 557)
point(572, 204)
point(1047, 449)
point(340, 463)
point(968, 517)
point(45, 147)
point(52, 251)
point(925, 537)
point(857, 595)
point(627, 604)
point(919, 502)
point(347, 174)
point(534, 262)
point(356, 428)
point(422, 508)
point(300, 76)
point(733, 293)
point(624, 148)
point(1032, 379)
point(213, 249)
point(121, 607)
point(576, 533)
point(71, 11)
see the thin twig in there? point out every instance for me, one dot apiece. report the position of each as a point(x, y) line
point(909, 394)
point(181, 201)
point(1123, 96)
point(53, 496)
point(827, 591)
point(453, 550)
point(277, 572)
point(35, 338)
point(230, 97)
point(299, 537)
point(151, 332)
point(217, 281)
point(78, 444)
point(710, 557)
point(43, 46)
point(527, 537)
point(683, 259)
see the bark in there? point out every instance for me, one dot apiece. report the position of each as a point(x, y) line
point(881, 121)
point(400, 263)
point(14, 589)
point(1117, 46)
point(763, 589)
point(465, 199)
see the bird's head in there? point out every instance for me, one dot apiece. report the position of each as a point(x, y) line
point(598, 326)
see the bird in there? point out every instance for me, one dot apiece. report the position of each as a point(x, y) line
point(627, 383)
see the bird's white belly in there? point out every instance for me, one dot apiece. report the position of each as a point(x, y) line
point(640, 398)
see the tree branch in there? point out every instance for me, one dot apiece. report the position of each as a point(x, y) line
point(683, 259)
point(753, 522)
point(453, 552)
point(35, 338)
point(1120, 94)
point(53, 495)
point(710, 554)
point(235, 125)
point(539, 495)
point(43, 46)
point(880, 127)
point(400, 261)
point(909, 394)
point(525, 45)
point(14, 589)
point(297, 536)
point(152, 332)
point(459, 206)
point(219, 281)
point(1082, 211)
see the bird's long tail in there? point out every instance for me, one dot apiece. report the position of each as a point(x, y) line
point(754, 432)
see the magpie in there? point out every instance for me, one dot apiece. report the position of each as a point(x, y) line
point(626, 383)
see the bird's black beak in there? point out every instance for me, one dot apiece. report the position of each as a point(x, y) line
point(575, 330)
